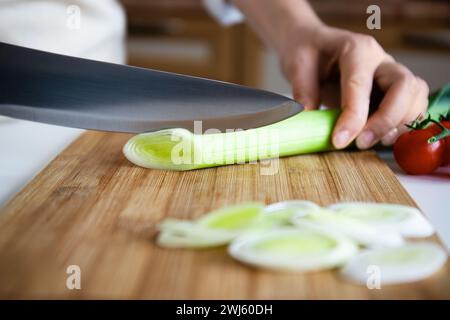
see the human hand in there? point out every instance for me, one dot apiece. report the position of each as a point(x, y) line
point(307, 57)
point(310, 50)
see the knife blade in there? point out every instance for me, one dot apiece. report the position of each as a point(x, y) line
point(81, 93)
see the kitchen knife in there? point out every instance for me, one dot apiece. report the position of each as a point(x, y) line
point(62, 90)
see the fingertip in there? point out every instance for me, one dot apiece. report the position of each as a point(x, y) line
point(365, 140)
point(308, 103)
point(307, 95)
point(309, 107)
point(341, 139)
point(349, 125)
point(390, 137)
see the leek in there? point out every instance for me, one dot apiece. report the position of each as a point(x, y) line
point(216, 228)
point(306, 132)
point(409, 263)
point(405, 220)
point(301, 236)
point(363, 233)
point(184, 234)
point(281, 213)
point(179, 149)
point(293, 249)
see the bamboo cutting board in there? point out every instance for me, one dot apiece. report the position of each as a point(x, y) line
point(92, 208)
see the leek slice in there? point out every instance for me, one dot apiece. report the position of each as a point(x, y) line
point(216, 228)
point(407, 221)
point(409, 263)
point(281, 213)
point(289, 207)
point(154, 149)
point(293, 249)
point(179, 149)
point(184, 234)
point(365, 234)
point(234, 218)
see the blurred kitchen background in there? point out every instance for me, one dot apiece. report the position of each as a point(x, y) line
point(180, 36)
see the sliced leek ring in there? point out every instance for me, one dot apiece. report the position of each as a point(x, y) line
point(216, 228)
point(407, 221)
point(183, 234)
point(235, 218)
point(290, 205)
point(293, 249)
point(158, 149)
point(409, 263)
point(281, 213)
point(362, 233)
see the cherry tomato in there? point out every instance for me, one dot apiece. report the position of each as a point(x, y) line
point(446, 162)
point(415, 155)
point(435, 129)
point(446, 124)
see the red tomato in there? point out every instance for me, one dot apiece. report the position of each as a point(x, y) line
point(446, 162)
point(436, 130)
point(415, 155)
point(446, 123)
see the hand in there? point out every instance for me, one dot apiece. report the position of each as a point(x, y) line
point(309, 50)
point(307, 60)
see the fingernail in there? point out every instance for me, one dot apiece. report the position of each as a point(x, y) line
point(365, 140)
point(390, 137)
point(308, 106)
point(341, 139)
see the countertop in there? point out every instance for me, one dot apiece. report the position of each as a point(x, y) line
point(27, 147)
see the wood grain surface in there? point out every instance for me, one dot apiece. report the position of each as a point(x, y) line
point(92, 208)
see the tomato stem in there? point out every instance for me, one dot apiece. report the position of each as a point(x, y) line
point(445, 117)
point(418, 123)
point(443, 134)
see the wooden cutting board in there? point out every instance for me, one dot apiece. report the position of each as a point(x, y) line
point(92, 208)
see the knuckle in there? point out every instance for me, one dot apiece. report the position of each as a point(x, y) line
point(290, 68)
point(408, 80)
point(355, 82)
point(293, 65)
point(387, 122)
point(360, 41)
point(349, 44)
point(410, 117)
point(404, 69)
point(423, 86)
point(357, 117)
point(388, 58)
point(369, 42)
point(383, 124)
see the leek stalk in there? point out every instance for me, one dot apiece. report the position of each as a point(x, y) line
point(306, 132)
point(179, 149)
